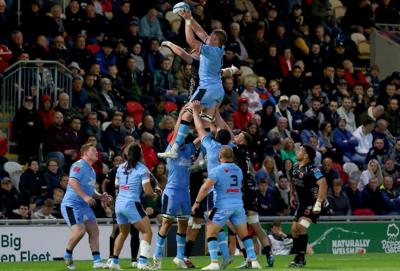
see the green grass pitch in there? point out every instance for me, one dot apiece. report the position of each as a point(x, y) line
point(369, 261)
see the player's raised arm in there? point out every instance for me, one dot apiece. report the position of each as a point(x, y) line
point(197, 121)
point(179, 51)
point(190, 38)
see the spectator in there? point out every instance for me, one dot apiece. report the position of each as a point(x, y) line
point(261, 90)
point(73, 20)
point(129, 126)
point(64, 107)
point(5, 56)
point(381, 131)
point(281, 110)
point(106, 57)
point(390, 168)
point(373, 171)
point(121, 19)
point(64, 182)
point(92, 127)
point(114, 135)
point(274, 150)
point(377, 152)
point(283, 188)
point(27, 127)
point(8, 197)
point(31, 183)
point(364, 137)
point(107, 98)
point(331, 115)
point(58, 195)
point(330, 174)
point(149, 126)
point(149, 25)
point(280, 130)
point(166, 127)
point(149, 154)
point(267, 198)
point(353, 77)
point(392, 115)
point(133, 83)
point(286, 62)
point(372, 197)
point(45, 212)
point(22, 212)
point(338, 201)
point(163, 79)
point(160, 173)
point(346, 112)
point(355, 198)
point(80, 54)
point(295, 83)
point(59, 142)
point(80, 96)
point(269, 66)
point(242, 116)
point(346, 142)
point(250, 93)
point(231, 94)
point(94, 24)
point(46, 111)
point(395, 152)
point(391, 196)
point(238, 43)
point(52, 174)
point(298, 117)
point(315, 110)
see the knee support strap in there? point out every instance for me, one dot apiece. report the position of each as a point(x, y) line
point(253, 219)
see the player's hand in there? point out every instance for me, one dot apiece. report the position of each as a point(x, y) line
point(317, 207)
point(89, 200)
point(106, 198)
point(195, 207)
point(149, 211)
point(186, 14)
point(292, 202)
point(196, 107)
point(166, 44)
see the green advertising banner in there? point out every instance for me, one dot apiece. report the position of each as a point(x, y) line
point(353, 237)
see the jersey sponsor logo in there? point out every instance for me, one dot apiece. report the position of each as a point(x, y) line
point(124, 187)
point(76, 169)
point(232, 190)
point(317, 174)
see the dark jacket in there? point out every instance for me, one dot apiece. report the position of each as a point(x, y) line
point(31, 185)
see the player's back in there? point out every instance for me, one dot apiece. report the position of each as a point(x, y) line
point(178, 169)
point(130, 181)
point(212, 148)
point(228, 180)
point(210, 65)
point(85, 175)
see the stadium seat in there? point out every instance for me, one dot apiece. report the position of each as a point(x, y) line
point(339, 12)
point(170, 107)
point(104, 125)
point(15, 171)
point(364, 50)
point(357, 37)
point(335, 3)
point(136, 110)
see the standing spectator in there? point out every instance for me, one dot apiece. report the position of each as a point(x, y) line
point(27, 128)
point(149, 154)
point(149, 25)
point(372, 197)
point(373, 171)
point(364, 137)
point(338, 201)
point(242, 116)
point(114, 135)
point(391, 196)
point(8, 198)
point(31, 183)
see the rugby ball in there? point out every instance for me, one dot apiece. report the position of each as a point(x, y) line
point(180, 7)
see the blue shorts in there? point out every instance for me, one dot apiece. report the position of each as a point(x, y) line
point(209, 96)
point(129, 212)
point(220, 216)
point(77, 214)
point(176, 203)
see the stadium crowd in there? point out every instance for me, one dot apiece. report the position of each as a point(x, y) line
point(298, 83)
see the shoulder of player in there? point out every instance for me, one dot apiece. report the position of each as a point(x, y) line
point(122, 167)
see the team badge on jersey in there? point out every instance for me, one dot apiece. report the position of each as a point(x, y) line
point(76, 169)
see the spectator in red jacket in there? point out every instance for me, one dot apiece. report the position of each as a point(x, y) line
point(149, 154)
point(46, 112)
point(286, 62)
point(353, 77)
point(242, 116)
point(5, 56)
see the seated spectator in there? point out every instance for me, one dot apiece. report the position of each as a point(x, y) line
point(288, 150)
point(295, 83)
point(267, 199)
point(3, 149)
point(45, 212)
point(231, 94)
point(329, 173)
point(355, 197)
point(316, 93)
point(107, 98)
point(339, 203)
point(391, 196)
point(22, 212)
point(261, 90)
point(149, 126)
point(395, 152)
point(283, 188)
point(105, 57)
point(160, 173)
point(345, 142)
point(27, 129)
point(149, 154)
point(65, 108)
point(280, 130)
point(372, 197)
point(250, 93)
point(242, 116)
point(59, 142)
point(32, 182)
point(8, 198)
point(268, 171)
point(64, 182)
point(364, 137)
point(130, 128)
point(377, 152)
point(58, 195)
point(346, 112)
point(353, 77)
point(381, 131)
point(166, 127)
point(149, 25)
point(274, 150)
point(390, 168)
point(282, 110)
point(92, 127)
point(46, 112)
point(315, 111)
point(286, 62)
point(373, 171)
point(331, 115)
point(163, 80)
point(80, 97)
point(114, 135)
point(6, 55)
point(52, 174)
point(392, 115)
point(298, 117)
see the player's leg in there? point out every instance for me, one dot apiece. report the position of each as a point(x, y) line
point(134, 244)
point(93, 231)
point(179, 260)
point(254, 222)
point(143, 226)
point(300, 240)
point(166, 224)
point(124, 230)
point(194, 227)
point(231, 241)
point(212, 244)
point(113, 236)
point(238, 219)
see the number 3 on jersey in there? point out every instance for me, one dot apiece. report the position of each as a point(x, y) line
point(234, 182)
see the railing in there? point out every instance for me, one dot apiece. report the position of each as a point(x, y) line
point(33, 78)
point(263, 219)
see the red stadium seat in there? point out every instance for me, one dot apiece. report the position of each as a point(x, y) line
point(170, 107)
point(136, 110)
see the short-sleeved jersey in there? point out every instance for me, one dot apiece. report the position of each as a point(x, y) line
point(228, 180)
point(85, 175)
point(130, 181)
point(212, 148)
point(305, 181)
point(178, 169)
point(210, 65)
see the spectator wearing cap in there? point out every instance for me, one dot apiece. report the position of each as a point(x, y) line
point(372, 77)
point(250, 93)
point(106, 57)
point(345, 141)
point(149, 25)
point(391, 196)
point(75, 69)
point(346, 112)
point(132, 36)
point(242, 116)
point(339, 203)
point(27, 128)
point(80, 54)
point(46, 111)
point(8, 198)
point(282, 110)
point(31, 182)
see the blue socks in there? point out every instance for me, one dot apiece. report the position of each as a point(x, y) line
point(68, 254)
point(249, 246)
point(96, 256)
point(213, 248)
point(180, 245)
point(160, 246)
point(183, 131)
point(223, 244)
